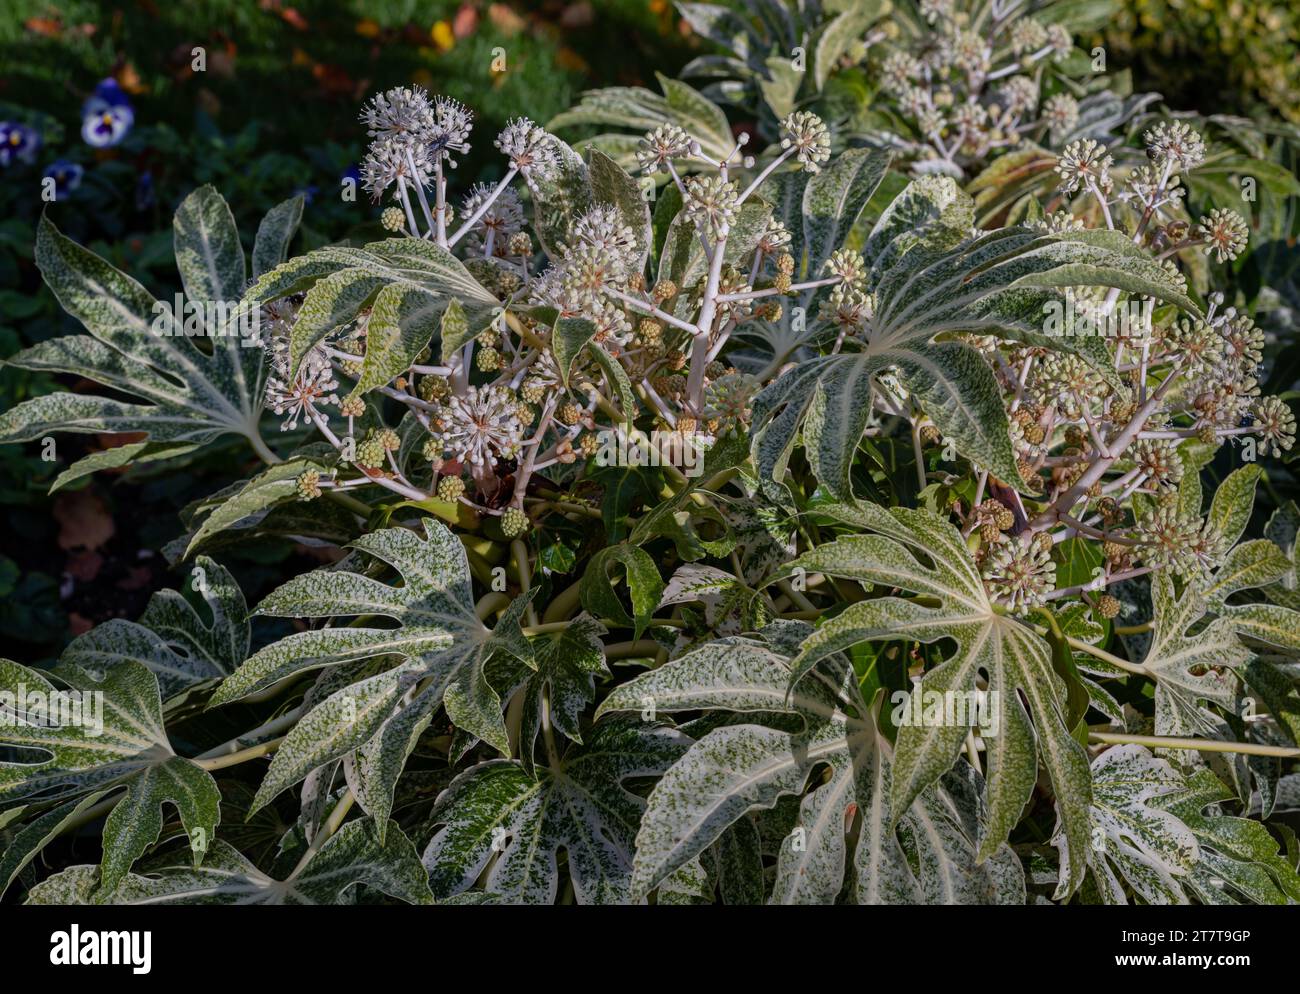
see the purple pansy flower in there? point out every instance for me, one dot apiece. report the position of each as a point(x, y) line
point(17, 142)
point(66, 175)
point(107, 116)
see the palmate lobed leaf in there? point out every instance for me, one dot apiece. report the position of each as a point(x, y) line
point(639, 109)
point(408, 283)
point(61, 759)
point(1134, 840)
point(1013, 658)
point(558, 686)
point(439, 653)
point(357, 855)
point(1238, 859)
point(579, 802)
point(171, 639)
point(190, 397)
point(740, 768)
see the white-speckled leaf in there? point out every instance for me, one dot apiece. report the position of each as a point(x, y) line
point(739, 768)
point(1015, 659)
point(1239, 860)
point(930, 278)
point(1189, 669)
point(59, 762)
point(188, 398)
point(441, 646)
point(171, 638)
point(579, 803)
point(355, 856)
point(274, 233)
point(1135, 841)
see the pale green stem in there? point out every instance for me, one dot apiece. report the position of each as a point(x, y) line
point(1198, 745)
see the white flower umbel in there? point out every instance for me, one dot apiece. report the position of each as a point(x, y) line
point(479, 427)
point(531, 150)
point(301, 395)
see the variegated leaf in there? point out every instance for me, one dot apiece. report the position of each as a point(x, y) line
point(440, 647)
point(136, 347)
point(1190, 669)
point(739, 768)
point(410, 282)
point(1015, 659)
point(579, 802)
point(110, 736)
point(172, 639)
point(640, 110)
point(561, 686)
point(1239, 862)
point(357, 855)
point(1134, 840)
point(932, 278)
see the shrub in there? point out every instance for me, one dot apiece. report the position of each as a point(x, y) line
point(888, 509)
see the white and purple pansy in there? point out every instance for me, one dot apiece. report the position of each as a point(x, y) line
point(107, 116)
point(18, 143)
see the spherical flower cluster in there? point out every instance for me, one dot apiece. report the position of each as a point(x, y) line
point(451, 488)
point(848, 308)
point(1019, 94)
point(480, 427)
point(1158, 461)
point(1059, 40)
point(1197, 343)
point(775, 237)
point(402, 114)
point(1059, 222)
point(848, 265)
point(307, 485)
point(661, 146)
point(1276, 424)
point(1027, 35)
point(302, 394)
point(1148, 185)
point(1170, 540)
point(603, 228)
point(531, 150)
point(1061, 112)
point(807, 135)
point(898, 71)
point(992, 517)
point(968, 51)
point(1243, 341)
point(514, 522)
point(411, 136)
point(1067, 382)
point(729, 397)
point(1085, 164)
point(1020, 573)
point(711, 202)
point(392, 161)
point(452, 123)
point(502, 219)
point(1224, 232)
point(936, 10)
point(1175, 146)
